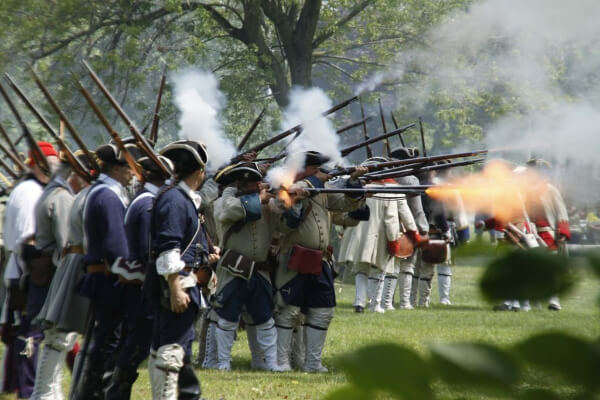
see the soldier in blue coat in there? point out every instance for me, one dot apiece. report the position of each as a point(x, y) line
point(138, 313)
point(105, 247)
point(181, 248)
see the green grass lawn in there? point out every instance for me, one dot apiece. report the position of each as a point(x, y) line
point(469, 319)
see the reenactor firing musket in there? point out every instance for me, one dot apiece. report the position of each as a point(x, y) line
point(353, 125)
point(252, 129)
point(156, 117)
point(350, 149)
point(141, 141)
point(293, 130)
point(77, 166)
point(396, 126)
point(11, 153)
point(387, 142)
point(365, 133)
point(135, 167)
point(74, 134)
point(36, 152)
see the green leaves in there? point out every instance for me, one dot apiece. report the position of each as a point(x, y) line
point(391, 368)
point(531, 274)
point(474, 364)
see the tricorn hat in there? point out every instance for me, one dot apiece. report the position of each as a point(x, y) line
point(373, 161)
point(111, 154)
point(315, 158)
point(149, 165)
point(244, 171)
point(404, 153)
point(195, 148)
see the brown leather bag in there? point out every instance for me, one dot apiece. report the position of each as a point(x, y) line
point(435, 252)
point(237, 264)
point(306, 261)
point(40, 265)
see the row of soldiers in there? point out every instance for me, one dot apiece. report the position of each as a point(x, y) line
point(133, 272)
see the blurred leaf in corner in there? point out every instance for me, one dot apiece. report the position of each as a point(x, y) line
point(350, 393)
point(391, 368)
point(474, 364)
point(533, 274)
point(539, 394)
point(576, 359)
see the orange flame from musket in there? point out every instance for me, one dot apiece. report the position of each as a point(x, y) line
point(283, 193)
point(497, 190)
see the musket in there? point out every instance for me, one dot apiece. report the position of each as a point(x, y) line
point(8, 183)
point(77, 166)
point(396, 126)
point(387, 142)
point(13, 153)
point(135, 167)
point(139, 138)
point(252, 129)
point(353, 125)
point(74, 134)
point(8, 169)
point(350, 149)
point(365, 133)
point(422, 136)
point(156, 118)
point(290, 131)
point(36, 152)
point(418, 170)
point(370, 190)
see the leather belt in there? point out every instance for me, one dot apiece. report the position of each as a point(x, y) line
point(95, 268)
point(76, 249)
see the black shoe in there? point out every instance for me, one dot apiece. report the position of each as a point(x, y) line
point(120, 386)
point(189, 385)
point(503, 307)
point(554, 307)
point(359, 309)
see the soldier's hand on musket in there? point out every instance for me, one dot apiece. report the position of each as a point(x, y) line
point(213, 258)
point(297, 194)
point(216, 250)
point(265, 193)
point(358, 171)
point(179, 298)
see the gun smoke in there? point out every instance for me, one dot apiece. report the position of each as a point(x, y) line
point(539, 58)
point(200, 101)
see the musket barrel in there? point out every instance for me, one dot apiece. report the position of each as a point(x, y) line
point(74, 134)
point(350, 149)
point(13, 153)
point(252, 129)
point(156, 117)
point(353, 125)
point(418, 170)
point(395, 122)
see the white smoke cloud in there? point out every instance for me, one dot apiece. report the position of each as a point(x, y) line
point(318, 134)
point(540, 56)
point(200, 101)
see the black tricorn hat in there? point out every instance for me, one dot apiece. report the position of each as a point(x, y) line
point(149, 165)
point(196, 149)
point(131, 140)
point(110, 153)
point(315, 158)
point(404, 153)
point(244, 171)
point(374, 160)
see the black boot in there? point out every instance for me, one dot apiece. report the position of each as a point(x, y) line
point(189, 385)
point(120, 386)
point(89, 386)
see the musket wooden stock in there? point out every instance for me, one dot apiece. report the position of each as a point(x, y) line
point(139, 138)
point(350, 149)
point(74, 134)
point(362, 122)
point(396, 126)
point(156, 117)
point(12, 153)
point(32, 143)
point(252, 129)
point(296, 128)
point(135, 167)
point(365, 133)
point(77, 166)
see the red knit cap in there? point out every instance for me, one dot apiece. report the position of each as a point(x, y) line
point(46, 148)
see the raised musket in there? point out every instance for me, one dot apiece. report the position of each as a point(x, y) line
point(139, 138)
point(345, 128)
point(365, 133)
point(8, 169)
point(386, 140)
point(252, 129)
point(135, 167)
point(156, 117)
point(74, 134)
point(295, 129)
point(422, 136)
point(350, 149)
point(396, 126)
point(12, 153)
point(77, 166)
point(31, 142)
